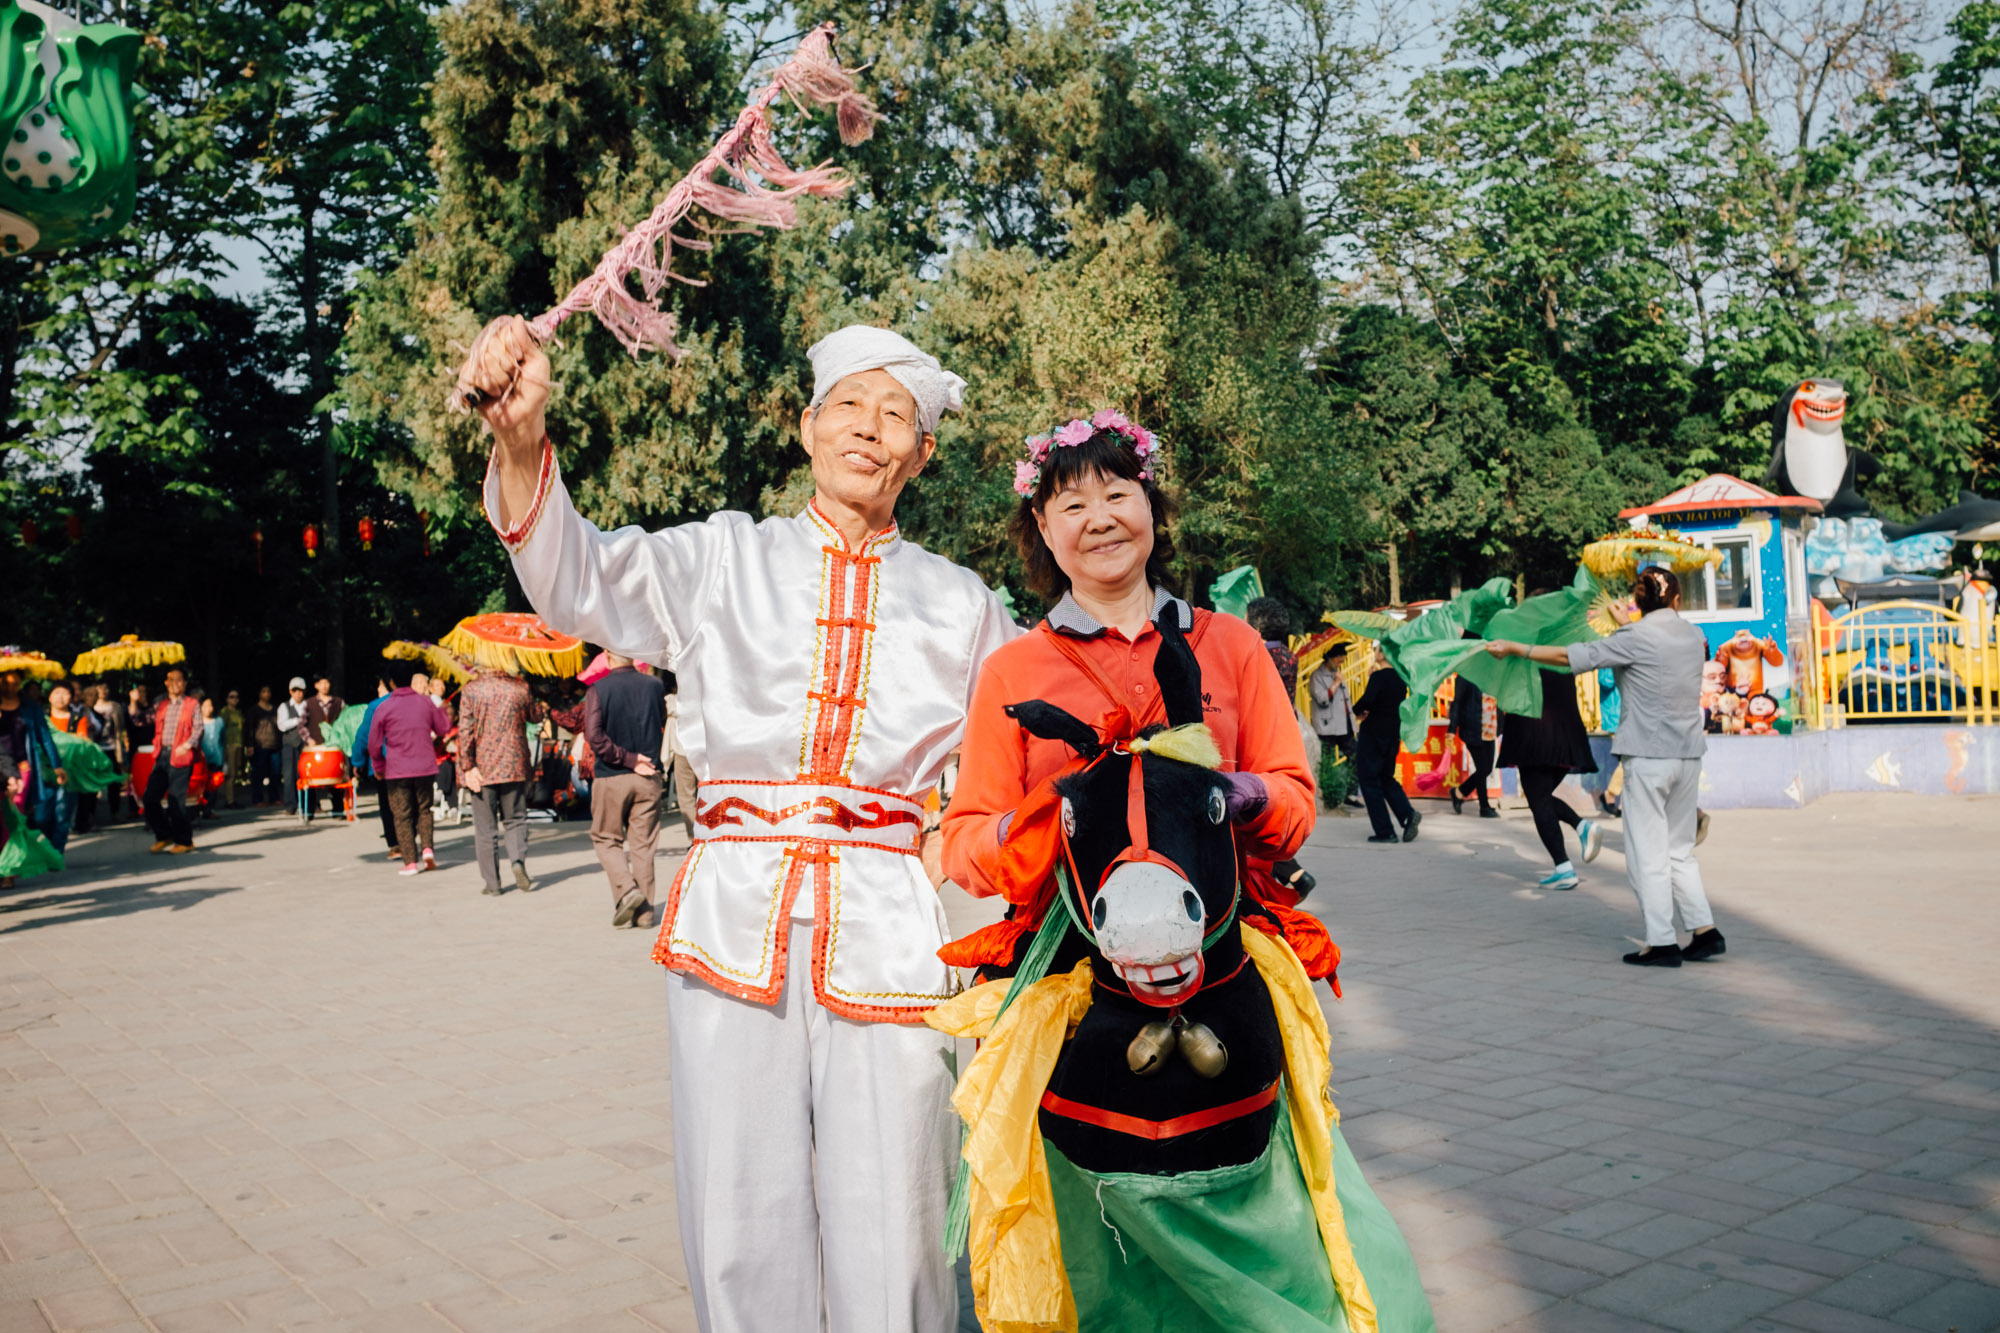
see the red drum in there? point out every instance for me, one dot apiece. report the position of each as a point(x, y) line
point(321, 764)
point(142, 768)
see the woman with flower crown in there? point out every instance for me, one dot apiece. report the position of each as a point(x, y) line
point(1093, 531)
point(1093, 528)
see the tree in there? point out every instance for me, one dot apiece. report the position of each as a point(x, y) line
point(336, 120)
point(554, 125)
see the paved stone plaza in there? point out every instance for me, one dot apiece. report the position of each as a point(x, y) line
point(275, 1086)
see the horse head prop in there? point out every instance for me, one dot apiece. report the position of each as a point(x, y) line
point(1148, 878)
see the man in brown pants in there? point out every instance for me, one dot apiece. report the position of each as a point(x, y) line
point(624, 718)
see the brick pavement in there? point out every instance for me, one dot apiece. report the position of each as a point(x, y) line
point(275, 1086)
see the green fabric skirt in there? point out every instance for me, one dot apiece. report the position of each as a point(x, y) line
point(26, 852)
point(1233, 1250)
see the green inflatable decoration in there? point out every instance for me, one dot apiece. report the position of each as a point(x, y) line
point(66, 100)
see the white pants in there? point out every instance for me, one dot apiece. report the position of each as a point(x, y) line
point(812, 1160)
point(1660, 797)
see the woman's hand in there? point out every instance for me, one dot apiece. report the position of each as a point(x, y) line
point(1246, 796)
point(1507, 648)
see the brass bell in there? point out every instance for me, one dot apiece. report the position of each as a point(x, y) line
point(1203, 1050)
point(1150, 1050)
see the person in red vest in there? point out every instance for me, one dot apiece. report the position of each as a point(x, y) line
point(176, 737)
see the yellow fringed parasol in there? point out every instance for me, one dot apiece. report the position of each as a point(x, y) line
point(129, 652)
point(31, 664)
point(1619, 555)
point(514, 641)
point(442, 662)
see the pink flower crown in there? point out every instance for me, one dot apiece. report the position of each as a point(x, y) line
point(1028, 471)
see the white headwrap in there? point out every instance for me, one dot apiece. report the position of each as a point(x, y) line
point(859, 347)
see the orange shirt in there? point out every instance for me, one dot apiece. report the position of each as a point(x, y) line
point(1243, 699)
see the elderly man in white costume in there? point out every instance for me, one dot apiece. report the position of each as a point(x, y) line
point(825, 667)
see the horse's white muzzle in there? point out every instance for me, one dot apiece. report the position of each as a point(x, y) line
point(1149, 923)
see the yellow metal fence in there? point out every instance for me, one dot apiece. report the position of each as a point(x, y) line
point(1905, 662)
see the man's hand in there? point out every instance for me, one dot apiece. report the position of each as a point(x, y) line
point(184, 747)
point(645, 768)
point(506, 377)
point(470, 780)
point(1507, 648)
point(62, 777)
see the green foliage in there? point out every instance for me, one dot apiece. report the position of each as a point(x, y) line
point(1463, 305)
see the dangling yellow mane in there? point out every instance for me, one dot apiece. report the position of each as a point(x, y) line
point(1191, 744)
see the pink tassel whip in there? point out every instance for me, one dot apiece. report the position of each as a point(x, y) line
point(761, 191)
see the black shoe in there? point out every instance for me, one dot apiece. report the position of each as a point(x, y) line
point(521, 880)
point(1410, 829)
point(646, 919)
point(1457, 804)
point(493, 890)
point(628, 907)
point(1705, 944)
point(1488, 812)
point(1294, 877)
point(1383, 837)
point(1658, 955)
point(1615, 810)
point(1354, 801)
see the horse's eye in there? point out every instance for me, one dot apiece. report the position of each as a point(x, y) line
point(1193, 904)
point(1097, 912)
point(1218, 808)
point(1068, 818)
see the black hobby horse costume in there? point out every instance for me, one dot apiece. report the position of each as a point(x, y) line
point(1150, 1144)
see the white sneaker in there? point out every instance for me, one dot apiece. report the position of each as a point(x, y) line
point(1591, 834)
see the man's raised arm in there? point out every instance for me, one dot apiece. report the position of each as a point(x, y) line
point(507, 375)
point(636, 592)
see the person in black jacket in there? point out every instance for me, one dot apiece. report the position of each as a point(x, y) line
point(1545, 750)
point(1470, 709)
point(1375, 754)
point(624, 722)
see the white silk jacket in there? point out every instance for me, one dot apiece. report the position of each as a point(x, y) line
point(822, 688)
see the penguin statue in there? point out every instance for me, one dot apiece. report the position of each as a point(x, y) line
point(1809, 454)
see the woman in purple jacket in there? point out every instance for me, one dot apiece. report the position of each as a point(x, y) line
point(403, 753)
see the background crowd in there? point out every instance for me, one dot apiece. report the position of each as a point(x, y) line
point(508, 749)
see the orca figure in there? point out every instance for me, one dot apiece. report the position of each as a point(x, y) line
point(1809, 453)
point(1973, 518)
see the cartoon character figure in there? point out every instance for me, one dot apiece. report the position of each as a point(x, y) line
point(1761, 715)
point(1744, 659)
point(1711, 689)
point(1727, 716)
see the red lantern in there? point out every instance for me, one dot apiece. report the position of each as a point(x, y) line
point(312, 540)
point(257, 539)
point(30, 534)
point(73, 525)
point(365, 529)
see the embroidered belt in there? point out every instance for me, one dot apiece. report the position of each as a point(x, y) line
point(1160, 1129)
point(727, 811)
